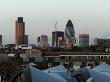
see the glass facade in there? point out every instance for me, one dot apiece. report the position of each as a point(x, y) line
point(69, 30)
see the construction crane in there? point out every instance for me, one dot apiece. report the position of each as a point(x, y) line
point(56, 25)
point(55, 43)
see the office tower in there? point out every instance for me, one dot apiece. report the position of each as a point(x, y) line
point(25, 40)
point(42, 41)
point(70, 34)
point(83, 40)
point(69, 30)
point(0, 39)
point(20, 31)
point(57, 38)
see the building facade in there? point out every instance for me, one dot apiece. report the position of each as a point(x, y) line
point(25, 40)
point(42, 41)
point(69, 30)
point(83, 40)
point(35, 53)
point(70, 34)
point(0, 39)
point(88, 58)
point(57, 38)
point(19, 31)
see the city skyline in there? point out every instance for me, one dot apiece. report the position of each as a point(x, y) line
point(87, 17)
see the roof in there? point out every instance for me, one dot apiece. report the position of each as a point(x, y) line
point(60, 73)
point(56, 69)
point(102, 68)
point(101, 73)
point(54, 74)
point(40, 76)
point(99, 77)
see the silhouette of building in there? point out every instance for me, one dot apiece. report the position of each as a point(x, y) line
point(69, 30)
point(57, 38)
point(70, 34)
point(83, 40)
point(25, 40)
point(19, 31)
point(0, 39)
point(42, 41)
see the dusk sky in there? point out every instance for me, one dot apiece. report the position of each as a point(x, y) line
point(88, 16)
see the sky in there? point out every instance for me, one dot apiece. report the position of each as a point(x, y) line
point(88, 16)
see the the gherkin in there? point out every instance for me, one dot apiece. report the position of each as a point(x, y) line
point(69, 30)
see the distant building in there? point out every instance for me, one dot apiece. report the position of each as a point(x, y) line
point(19, 31)
point(68, 42)
point(57, 38)
point(70, 34)
point(42, 41)
point(0, 39)
point(33, 53)
point(25, 40)
point(69, 30)
point(10, 45)
point(101, 42)
point(83, 40)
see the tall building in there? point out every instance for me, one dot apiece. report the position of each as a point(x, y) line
point(42, 41)
point(83, 40)
point(57, 38)
point(25, 40)
point(70, 34)
point(19, 31)
point(69, 30)
point(0, 39)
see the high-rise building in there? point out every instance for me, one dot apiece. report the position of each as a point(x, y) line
point(0, 39)
point(25, 40)
point(42, 41)
point(69, 30)
point(19, 31)
point(70, 34)
point(83, 40)
point(57, 38)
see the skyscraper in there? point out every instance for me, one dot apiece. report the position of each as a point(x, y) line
point(25, 40)
point(83, 40)
point(70, 34)
point(0, 39)
point(57, 38)
point(42, 41)
point(69, 30)
point(19, 31)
